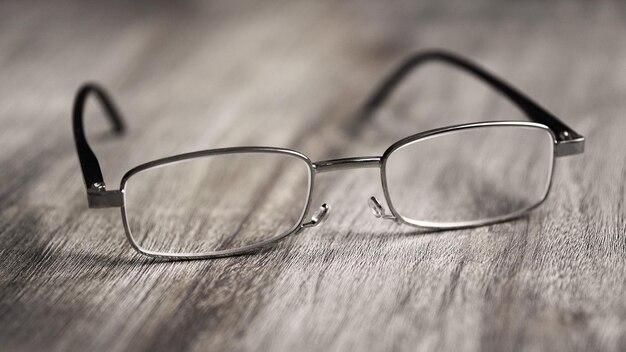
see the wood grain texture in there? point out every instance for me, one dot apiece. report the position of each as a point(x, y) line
point(191, 75)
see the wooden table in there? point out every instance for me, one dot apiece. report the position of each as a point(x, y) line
point(192, 75)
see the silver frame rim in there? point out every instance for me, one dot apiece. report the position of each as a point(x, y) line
point(444, 130)
point(313, 168)
point(207, 153)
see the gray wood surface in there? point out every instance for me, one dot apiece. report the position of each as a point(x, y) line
point(192, 75)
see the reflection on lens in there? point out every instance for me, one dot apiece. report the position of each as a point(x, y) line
point(468, 176)
point(217, 202)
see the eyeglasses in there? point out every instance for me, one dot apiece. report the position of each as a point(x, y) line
point(229, 201)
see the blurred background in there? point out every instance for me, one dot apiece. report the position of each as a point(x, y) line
point(197, 75)
point(191, 75)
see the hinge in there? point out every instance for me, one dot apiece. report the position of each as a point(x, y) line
point(569, 144)
point(99, 197)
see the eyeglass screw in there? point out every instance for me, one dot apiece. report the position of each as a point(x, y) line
point(98, 186)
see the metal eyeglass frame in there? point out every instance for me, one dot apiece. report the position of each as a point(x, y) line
point(566, 142)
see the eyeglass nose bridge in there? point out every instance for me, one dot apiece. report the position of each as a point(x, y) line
point(359, 162)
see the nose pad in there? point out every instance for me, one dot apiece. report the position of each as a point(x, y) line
point(319, 216)
point(378, 210)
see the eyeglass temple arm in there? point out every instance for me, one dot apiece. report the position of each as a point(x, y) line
point(97, 195)
point(568, 141)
